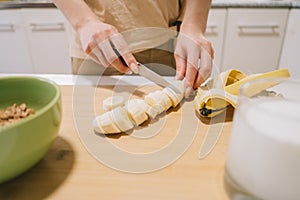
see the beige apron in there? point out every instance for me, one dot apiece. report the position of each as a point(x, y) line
point(145, 25)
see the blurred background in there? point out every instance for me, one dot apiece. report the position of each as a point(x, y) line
point(251, 35)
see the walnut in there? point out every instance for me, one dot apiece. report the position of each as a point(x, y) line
point(14, 113)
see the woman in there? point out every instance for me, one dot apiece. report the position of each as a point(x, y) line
point(98, 23)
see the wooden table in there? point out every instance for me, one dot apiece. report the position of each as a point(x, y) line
point(69, 171)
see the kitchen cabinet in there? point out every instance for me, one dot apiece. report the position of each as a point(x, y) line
point(215, 32)
point(14, 51)
point(45, 29)
point(290, 52)
point(253, 39)
point(33, 41)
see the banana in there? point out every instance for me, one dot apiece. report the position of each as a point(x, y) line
point(104, 124)
point(212, 102)
point(136, 111)
point(173, 96)
point(97, 126)
point(151, 111)
point(165, 99)
point(121, 118)
point(155, 102)
point(112, 102)
point(159, 100)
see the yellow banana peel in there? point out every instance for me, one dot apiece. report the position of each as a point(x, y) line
point(212, 102)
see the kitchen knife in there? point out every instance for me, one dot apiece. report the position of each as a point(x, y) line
point(149, 74)
point(156, 78)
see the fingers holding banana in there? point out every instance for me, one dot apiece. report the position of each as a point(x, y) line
point(122, 118)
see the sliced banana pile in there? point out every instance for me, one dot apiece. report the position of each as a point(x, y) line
point(121, 117)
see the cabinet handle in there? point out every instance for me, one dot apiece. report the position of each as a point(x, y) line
point(7, 27)
point(258, 29)
point(211, 30)
point(47, 26)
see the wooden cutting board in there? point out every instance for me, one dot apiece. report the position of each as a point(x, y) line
point(82, 164)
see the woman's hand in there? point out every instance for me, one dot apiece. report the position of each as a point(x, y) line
point(105, 45)
point(192, 46)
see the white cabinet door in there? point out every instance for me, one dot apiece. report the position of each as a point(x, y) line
point(215, 32)
point(254, 39)
point(47, 40)
point(290, 57)
point(14, 51)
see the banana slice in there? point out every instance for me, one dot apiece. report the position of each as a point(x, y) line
point(166, 100)
point(97, 126)
point(136, 111)
point(154, 100)
point(159, 100)
point(162, 99)
point(112, 102)
point(104, 124)
point(120, 117)
point(173, 96)
point(151, 111)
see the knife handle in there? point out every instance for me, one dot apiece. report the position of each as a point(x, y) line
point(118, 54)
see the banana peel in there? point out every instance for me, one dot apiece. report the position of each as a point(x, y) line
point(212, 102)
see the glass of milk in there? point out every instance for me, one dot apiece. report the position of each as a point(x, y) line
point(263, 160)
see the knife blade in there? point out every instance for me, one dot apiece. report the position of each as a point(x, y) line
point(149, 74)
point(156, 78)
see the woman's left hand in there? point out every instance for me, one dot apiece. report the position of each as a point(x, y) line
point(192, 46)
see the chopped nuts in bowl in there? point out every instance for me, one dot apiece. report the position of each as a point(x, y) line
point(14, 113)
point(30, 118)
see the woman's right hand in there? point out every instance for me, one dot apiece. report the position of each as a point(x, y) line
point(102, 42)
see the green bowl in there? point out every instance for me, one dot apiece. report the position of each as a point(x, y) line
point(25, 142)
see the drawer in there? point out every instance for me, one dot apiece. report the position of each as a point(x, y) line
point(46, 31)
point(254, 39)
point(14, 51)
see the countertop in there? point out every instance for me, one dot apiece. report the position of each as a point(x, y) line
point(25, 4)
point(215, 4)
point(70, 169)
